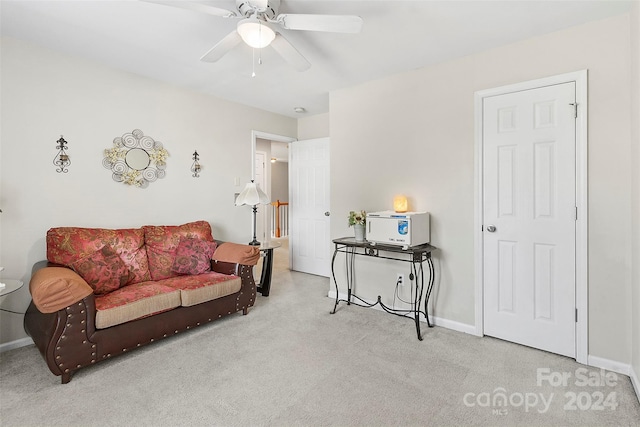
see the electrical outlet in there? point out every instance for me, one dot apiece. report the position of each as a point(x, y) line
point(400, 280)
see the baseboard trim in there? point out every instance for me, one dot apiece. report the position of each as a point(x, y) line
point(437, 321)
point(620, 368)
point(453, 325)
point(22, 342)
point(608, 364)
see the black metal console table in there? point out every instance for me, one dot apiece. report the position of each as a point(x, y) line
point(416, 255)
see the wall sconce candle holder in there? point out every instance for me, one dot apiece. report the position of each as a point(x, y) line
point(195, 167)
point(62, 159)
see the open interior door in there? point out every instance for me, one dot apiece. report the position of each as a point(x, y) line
point(309, 206)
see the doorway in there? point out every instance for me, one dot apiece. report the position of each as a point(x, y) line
point(531, 214)
point(262, 141)
point(309, 243)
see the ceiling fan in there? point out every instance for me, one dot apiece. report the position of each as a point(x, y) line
point(259, 20)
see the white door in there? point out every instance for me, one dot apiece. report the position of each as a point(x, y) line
point(260, 177)
point(529, 217)
point(309, 206)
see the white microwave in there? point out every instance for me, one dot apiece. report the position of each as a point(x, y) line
point(404, 229)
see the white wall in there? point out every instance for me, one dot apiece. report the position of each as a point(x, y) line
point(46, 94)
point(313, 126)
point(280, 181)
point(635, 213)
point(413, 133)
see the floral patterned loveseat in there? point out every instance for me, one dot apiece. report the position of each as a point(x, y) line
point(104, 292)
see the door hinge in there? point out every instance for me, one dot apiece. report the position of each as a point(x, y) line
point(575, 213)
point(576, 315)
point(575, 109)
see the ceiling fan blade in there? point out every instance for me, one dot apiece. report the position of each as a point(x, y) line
point(290, 53)
point(222, 47)
point(329, 23)
point(198, 7)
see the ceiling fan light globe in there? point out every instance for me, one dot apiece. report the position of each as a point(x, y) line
point(255, 33)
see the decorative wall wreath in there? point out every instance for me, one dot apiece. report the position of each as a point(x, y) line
point(136, 159)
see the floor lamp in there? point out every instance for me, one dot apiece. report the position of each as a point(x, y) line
point(252, 195)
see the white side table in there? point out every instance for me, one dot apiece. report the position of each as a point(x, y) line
point(11, 285)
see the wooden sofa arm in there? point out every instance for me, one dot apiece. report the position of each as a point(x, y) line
point(54, 288)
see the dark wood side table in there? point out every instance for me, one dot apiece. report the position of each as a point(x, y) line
point(266, 250)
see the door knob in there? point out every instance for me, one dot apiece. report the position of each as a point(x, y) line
point(327, 213)
point(491, 228)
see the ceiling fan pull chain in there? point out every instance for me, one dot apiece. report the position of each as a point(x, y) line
point(253, 62)
point(260, 37)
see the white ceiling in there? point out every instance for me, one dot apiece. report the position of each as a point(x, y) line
point(165, 43)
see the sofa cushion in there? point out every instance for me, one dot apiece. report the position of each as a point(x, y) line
point(203, 287)
point(162, 242)
point(133, 302)
point(103, 270)
point(68, 244)
point(193, 256)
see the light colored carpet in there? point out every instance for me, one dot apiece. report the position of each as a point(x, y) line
point(291, 363)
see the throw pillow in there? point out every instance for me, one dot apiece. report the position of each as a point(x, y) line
point(193, 256)
point(162, 241)
point(103, 270)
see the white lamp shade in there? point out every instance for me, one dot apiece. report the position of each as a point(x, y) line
point(255, 33)
point(252, 195)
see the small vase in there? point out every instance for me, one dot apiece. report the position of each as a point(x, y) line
point(359, 228)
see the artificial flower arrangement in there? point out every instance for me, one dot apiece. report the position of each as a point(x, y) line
point(357, 218)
